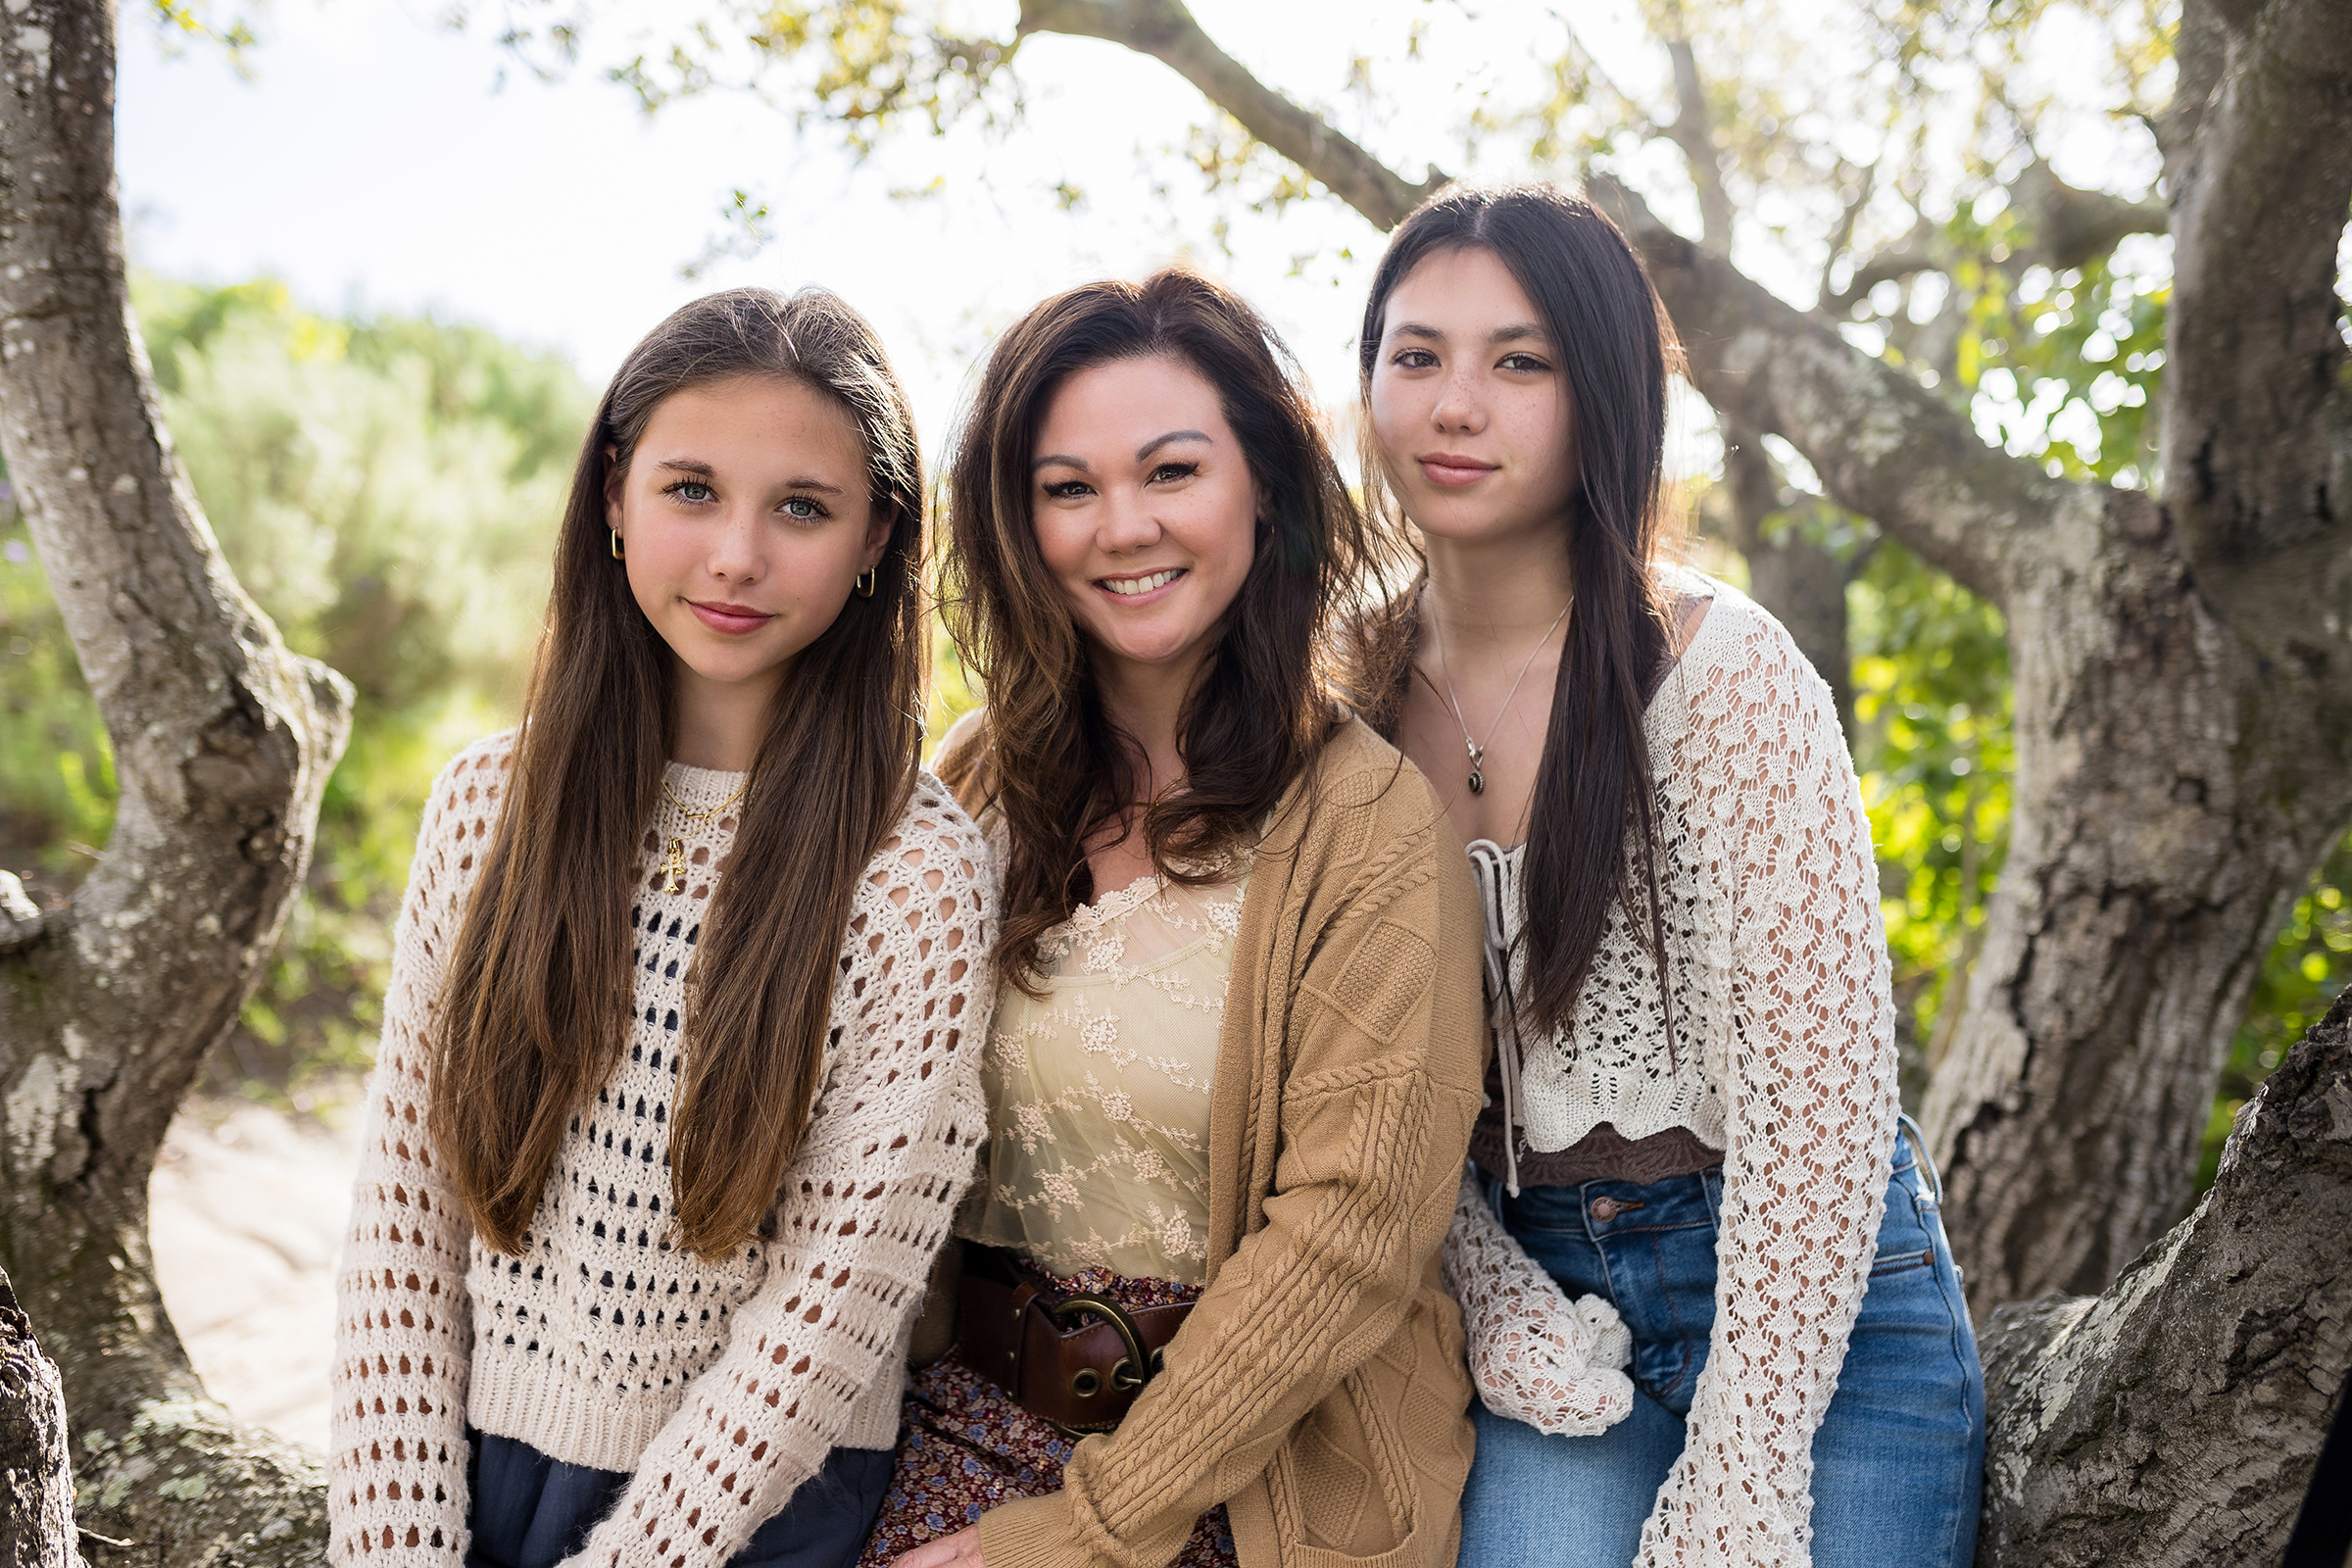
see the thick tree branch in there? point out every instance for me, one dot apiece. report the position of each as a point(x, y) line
point(1694, 134)
point(2176, 1419)
point(2254, 357)
point(1884, 447)
point(1165, 30)
point(2069, 227)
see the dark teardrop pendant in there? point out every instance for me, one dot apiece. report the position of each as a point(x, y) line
point(1478, 782)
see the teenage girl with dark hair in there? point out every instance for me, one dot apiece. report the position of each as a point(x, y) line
point(678, 1082)
point(1692, 1118)
point(1227, 1103)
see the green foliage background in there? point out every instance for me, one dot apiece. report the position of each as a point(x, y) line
point(387, 486)
point(384, 487)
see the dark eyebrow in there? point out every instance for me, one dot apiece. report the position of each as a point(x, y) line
point(1053, 458)
point(699, 470)
point(1156, 442)
point(1518, 332)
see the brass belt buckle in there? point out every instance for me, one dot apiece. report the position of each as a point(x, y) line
point(1133, 1370)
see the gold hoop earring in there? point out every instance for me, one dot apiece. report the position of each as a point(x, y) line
point(866, 581)
point(617, 554)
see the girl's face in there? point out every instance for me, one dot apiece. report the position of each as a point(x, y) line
point(1145, 509)
point(744, 515)
point(1470, 406)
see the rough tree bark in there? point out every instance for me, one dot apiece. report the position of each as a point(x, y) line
point(2184, 679)
point(2175, 1420)
point(37, 1485)
point(223, 743)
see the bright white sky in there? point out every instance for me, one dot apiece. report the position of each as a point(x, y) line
point(373, 158)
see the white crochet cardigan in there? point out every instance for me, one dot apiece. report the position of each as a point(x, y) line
point(721, 1384)
point(1784, 1059)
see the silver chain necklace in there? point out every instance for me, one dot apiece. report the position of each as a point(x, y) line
point(1478, 748)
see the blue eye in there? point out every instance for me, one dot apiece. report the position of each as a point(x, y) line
point(693, 490)
point(805, 508)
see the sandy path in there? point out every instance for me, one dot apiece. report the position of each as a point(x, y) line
point(248, 1209)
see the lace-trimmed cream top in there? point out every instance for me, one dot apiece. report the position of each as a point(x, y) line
point(1098, 1092)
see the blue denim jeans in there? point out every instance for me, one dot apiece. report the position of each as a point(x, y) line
point(1898, 1460)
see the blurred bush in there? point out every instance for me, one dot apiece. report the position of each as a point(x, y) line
point(388, 488)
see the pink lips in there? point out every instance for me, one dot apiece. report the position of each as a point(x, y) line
point(1454, 470)
point(735, 620)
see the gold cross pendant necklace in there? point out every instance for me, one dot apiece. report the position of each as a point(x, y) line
point(673, 859)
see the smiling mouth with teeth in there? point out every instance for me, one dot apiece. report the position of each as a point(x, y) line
point(1129, 587)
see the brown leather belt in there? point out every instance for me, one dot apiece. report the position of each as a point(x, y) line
point(1075, 1361)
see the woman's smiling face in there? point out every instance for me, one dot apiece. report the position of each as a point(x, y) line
point(1145, 509)
point(745, 514)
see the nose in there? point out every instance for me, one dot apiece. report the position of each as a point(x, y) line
point(1461, 404)
point(735, 554)
point(1126, 523)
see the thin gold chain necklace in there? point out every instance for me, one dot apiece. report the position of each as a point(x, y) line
point(1478, 748)
point(674, 860)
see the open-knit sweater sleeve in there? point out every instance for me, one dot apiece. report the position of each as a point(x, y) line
point(1809, 1071)
point(867, 1204)
point(397, 1421)
point(1534, 1356)
point(1376, 1100)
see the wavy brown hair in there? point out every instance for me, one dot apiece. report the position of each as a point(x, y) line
point(1261, 711)
point(537, 1006)
point(1591, 836)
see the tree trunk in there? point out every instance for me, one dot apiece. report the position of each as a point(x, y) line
point(223, 744)
point(36, 1488)
point(1801, 582)
point(2177, 1419)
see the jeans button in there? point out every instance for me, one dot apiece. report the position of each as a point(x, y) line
point(1604, 1209)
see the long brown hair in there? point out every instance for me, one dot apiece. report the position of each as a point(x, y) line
point(1261, 711)
point(1591, 838)
point(537, 1003)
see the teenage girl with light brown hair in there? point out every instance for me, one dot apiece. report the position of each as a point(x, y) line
point(678, 1079)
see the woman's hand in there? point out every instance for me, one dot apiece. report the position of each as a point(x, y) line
point(959, 1550)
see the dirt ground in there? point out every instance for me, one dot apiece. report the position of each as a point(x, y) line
point(249, 1211)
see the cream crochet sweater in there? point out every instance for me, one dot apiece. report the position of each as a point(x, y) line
point(1784, 1059)
point(720, 1384)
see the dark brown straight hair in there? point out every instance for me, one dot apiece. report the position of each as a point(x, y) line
point(1591, 837)
point(537, 1003)
point(1261, 711)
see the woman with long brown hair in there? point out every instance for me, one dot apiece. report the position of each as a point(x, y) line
point(1201, 1315)
point(1692, 1127)
point(678, 1079)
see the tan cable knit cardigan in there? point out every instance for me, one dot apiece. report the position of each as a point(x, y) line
point(1318, 1388)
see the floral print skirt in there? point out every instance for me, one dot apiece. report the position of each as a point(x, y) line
point(964, 1447)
